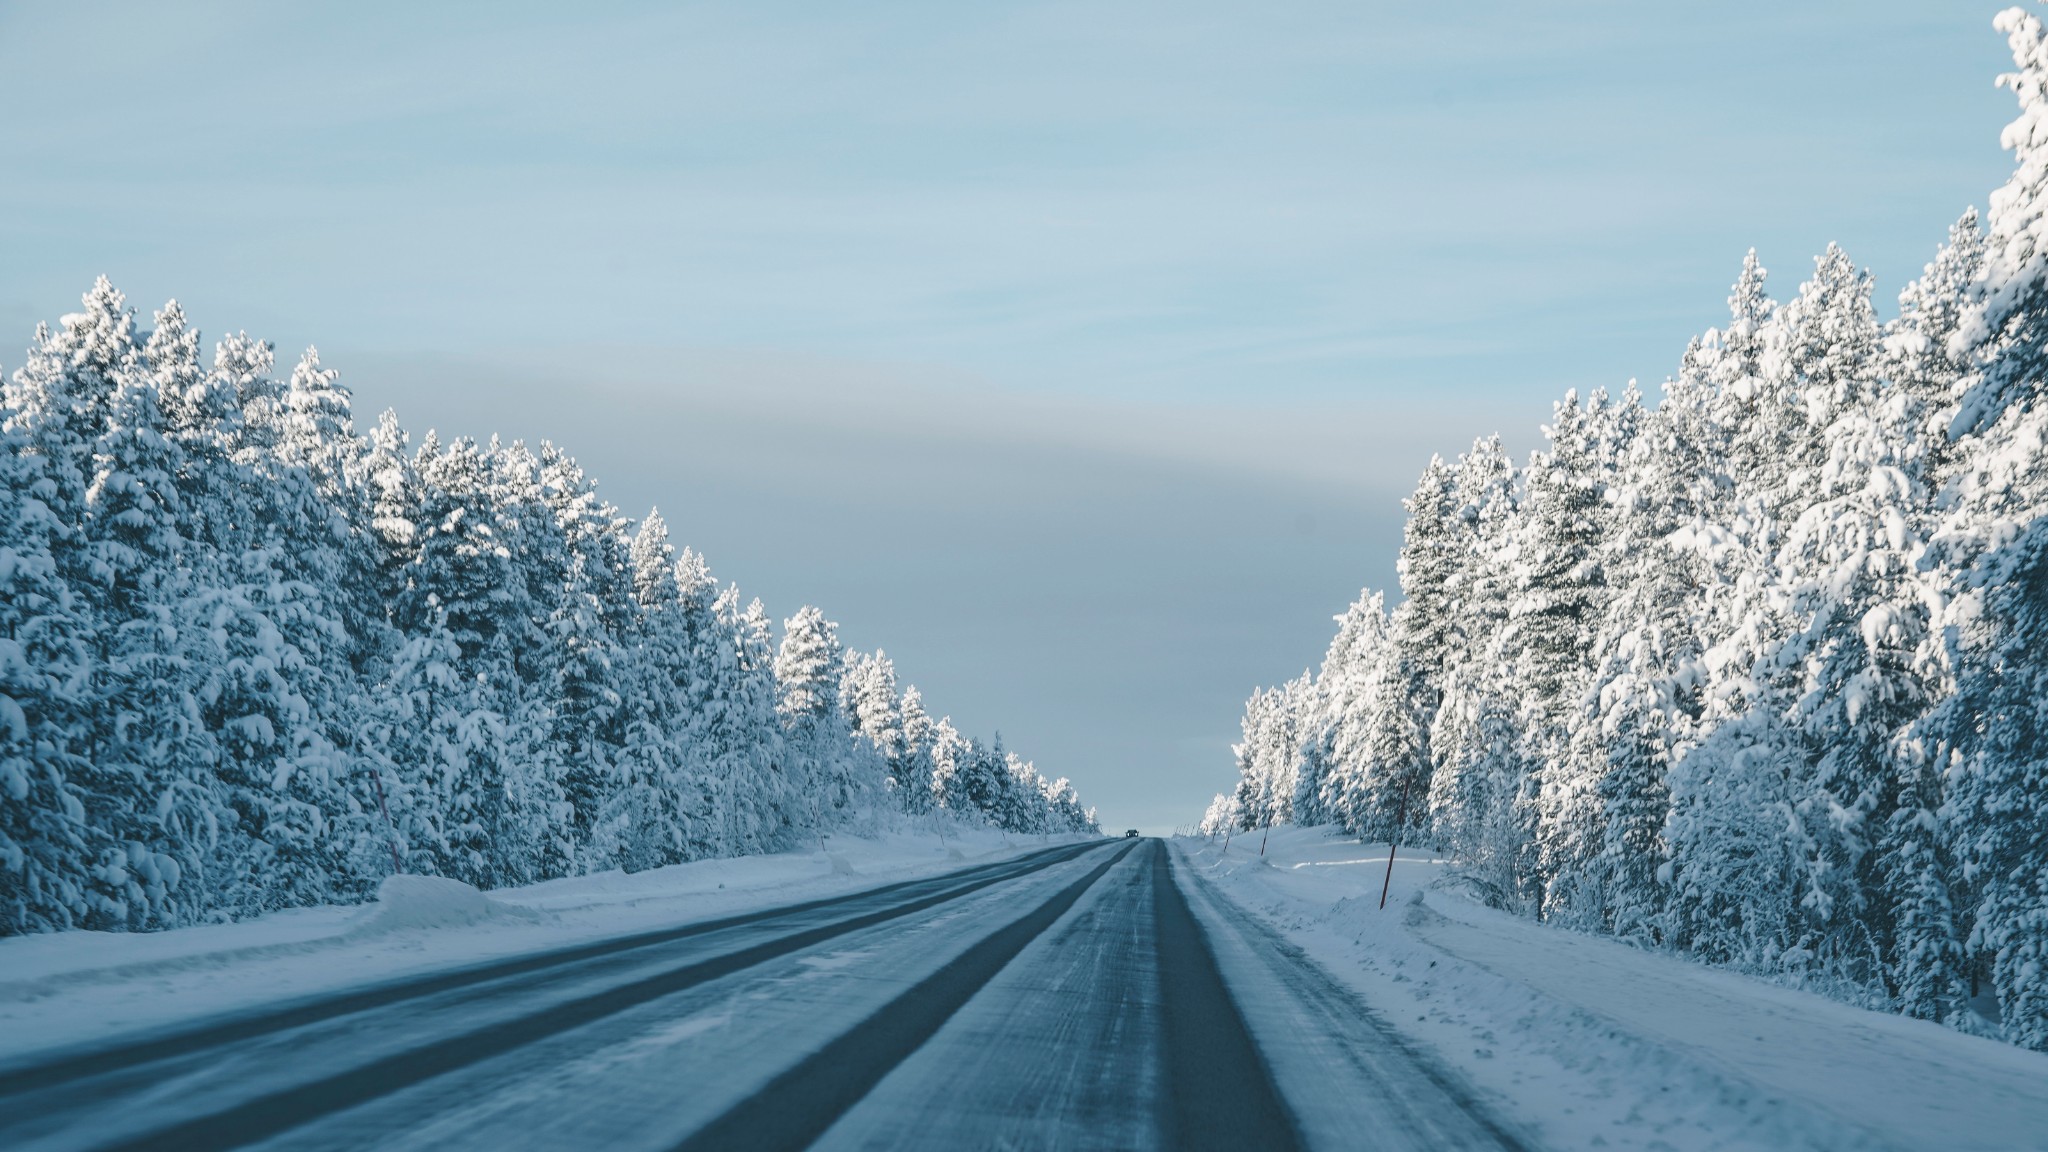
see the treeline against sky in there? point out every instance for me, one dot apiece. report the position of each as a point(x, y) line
point(1759, 674)
point(250, 659)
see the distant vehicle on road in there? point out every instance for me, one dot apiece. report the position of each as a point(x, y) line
point(1130, 833)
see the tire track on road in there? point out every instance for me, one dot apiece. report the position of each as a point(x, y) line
point(796, 1107)
point(1219, 1091)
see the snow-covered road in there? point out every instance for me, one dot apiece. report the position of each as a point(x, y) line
point(1061, 999)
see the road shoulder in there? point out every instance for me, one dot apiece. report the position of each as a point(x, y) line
point(1585, 1042)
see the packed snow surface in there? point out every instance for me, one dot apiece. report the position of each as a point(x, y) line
point(62, 989)
point(434, 902)
point(1586, 1042)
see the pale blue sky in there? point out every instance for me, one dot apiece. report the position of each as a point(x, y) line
point(1077, 353)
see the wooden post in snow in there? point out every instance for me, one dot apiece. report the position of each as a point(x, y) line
point(1400, 821)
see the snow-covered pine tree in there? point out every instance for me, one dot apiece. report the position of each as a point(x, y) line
point(1474, 739)
point(589, 624)
point(47, 847)
point(1024, 808)
point(868, 693)
point(152, 752)
point(279, 657)
point(537, 826)
point(1733, 876)
point(410, 671)
point(1221, 817)
point(395, 502)
point(1744, 365)
point(62, 402)
point(912, 771)
point(808, 667)
point(951, 757)
point(967, 777)
point(356, 642)
point(1402, 702)
point(1645, 655)
point(316, 428)
point(1560, 590)
point(1333, 715)
point(1925, 359)
point(1730, 870)
point(636, 815)
point(1582, 784)
point(1064, 812)
point(1435, 545)
point(1848, 569)
point(503, 817)
point(1268, 759)
point(1779, 591)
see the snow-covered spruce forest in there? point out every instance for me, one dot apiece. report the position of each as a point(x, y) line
point(1758, 674)
point(250, 659)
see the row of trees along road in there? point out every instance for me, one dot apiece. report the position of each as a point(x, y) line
point(1760, 673)
point(251, 659)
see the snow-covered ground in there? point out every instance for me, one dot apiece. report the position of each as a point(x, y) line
point(1585, 1042)
point(64, 989)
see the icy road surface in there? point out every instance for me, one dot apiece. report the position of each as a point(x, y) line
point(1084, 996)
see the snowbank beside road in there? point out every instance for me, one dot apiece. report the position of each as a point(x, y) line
point(419, 902)
point(1587, 1042)
point(68, 988)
